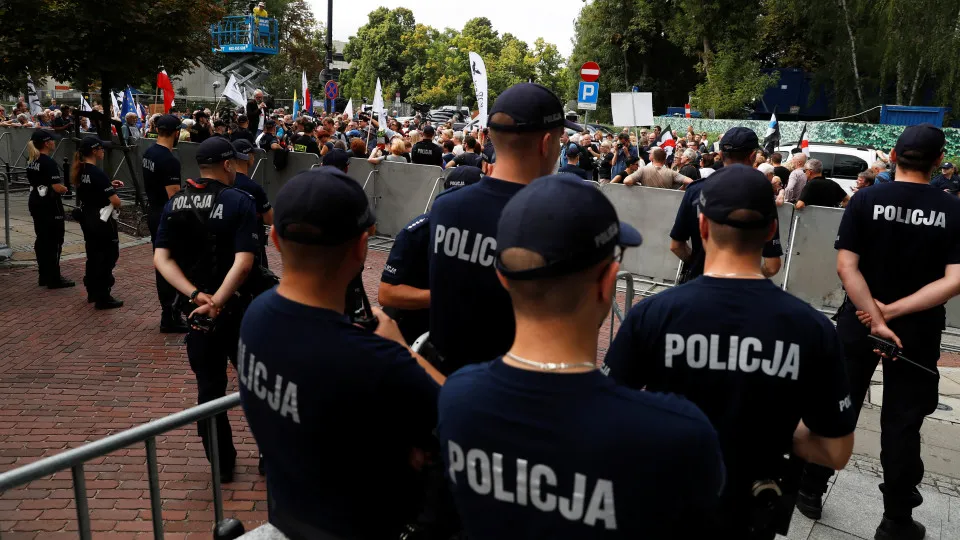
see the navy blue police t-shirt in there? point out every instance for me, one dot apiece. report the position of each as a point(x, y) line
point(94, 190)
point(232, 219)
point(687, 227)
point(335, 410)
point(160, 169)
point(245, 184)
point(409, 264)
point(44, 172)
point(574, 456)
point(574, 169)
point(471, 315)
point(754, 358)
point(905, 234)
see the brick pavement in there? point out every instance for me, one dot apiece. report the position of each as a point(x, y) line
point(72, 375)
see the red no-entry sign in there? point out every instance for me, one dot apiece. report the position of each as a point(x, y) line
point(590, 71)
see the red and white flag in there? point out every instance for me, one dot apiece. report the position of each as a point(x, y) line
point(667, 141)
point(805, 142)
point(163, 83)
point(307, 98)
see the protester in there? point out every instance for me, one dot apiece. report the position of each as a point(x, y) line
point(797, 179)
point(864, 180)
point(819, 191)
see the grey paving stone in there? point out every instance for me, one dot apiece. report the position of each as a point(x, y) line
point(823, 532)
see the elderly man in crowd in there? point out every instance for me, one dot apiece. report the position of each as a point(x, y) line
point(797, 180)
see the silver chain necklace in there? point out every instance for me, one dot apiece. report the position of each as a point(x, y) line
point(736, 274)
point(550, 366)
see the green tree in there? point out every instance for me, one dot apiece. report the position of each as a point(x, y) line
point(302, 47)
point(733, 81)
point(375, 52)
point(113, 42)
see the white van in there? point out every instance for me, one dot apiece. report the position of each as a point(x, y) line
point(842, 163)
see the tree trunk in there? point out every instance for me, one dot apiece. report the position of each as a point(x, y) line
point(853, 50)
point(916, 82)
point(706, 54)
point(103, 128)
point(900, 84)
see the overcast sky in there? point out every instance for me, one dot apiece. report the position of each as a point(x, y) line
point(553, 21)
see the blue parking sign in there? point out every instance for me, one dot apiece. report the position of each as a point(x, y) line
point(587, 95)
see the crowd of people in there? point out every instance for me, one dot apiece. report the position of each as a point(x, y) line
point(504, 424)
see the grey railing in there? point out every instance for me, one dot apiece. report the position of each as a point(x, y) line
point(74, 459)
point(616, 314)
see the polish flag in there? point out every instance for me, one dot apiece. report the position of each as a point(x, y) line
point(163, 83)
point(307, 99)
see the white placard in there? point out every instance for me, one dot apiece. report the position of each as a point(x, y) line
point(632, 108)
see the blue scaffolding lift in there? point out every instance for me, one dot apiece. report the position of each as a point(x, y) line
point(245, 34)
point(245, 38)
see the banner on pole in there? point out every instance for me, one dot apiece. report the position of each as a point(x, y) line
point(479, 73)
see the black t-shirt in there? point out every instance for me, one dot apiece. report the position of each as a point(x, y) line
point(471, 315)
point(690, 171)
point(245, 184)
point(94, 190)
point(951, 185)
point(574, 169)
point(489, 154)
point(160, 169)
point(905, 234)
point(686, 226)
point(754, 358)
point(242, 133)
point(426, 152)
point(307, 144)
point(470, 159)
point(63, 121)
point(44, 172)
point(199, 133)
point(603, 165)
point(783, 173)
point(587, 159)
point(232, 220)
point(822, 192)
point(573, 456)
point(335, 410)
point(409, 264)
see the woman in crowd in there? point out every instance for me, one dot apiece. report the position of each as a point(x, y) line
point(99, 202)
point(706, 164)
point(397, 148)
point(604, 162)
point(358, 148)
point(46, 207)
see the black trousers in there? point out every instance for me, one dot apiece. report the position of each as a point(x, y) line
point(48, 245)
point(165, 292)
point(208, 353)
point(103, 250)
point(909, 394)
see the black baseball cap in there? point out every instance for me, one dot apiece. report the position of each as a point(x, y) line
point(428, 131)
point(631, 160)
point(243, 148)
point(532, 107)
point(565, 220)
point(946, 165)
point(242, 119)
point(40, 137)
point(923, 141)
point(573, 150)
point(738, 187)
point(739, 139)
point(269, 123)
point(463, 175)
point(322, 207)
point(201, 114)
point(216, 150)
point(167, 122)
point(89, 144)
point(336, 158)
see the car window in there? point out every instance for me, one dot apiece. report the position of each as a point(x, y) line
point(827, 160)
point(848, 166)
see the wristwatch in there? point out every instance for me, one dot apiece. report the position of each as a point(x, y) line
point(194, 294)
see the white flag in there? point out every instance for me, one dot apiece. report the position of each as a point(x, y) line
point(232, 92)
point(84, 106)
point(32, 98)
point(378, 106)
point(348, 112)
point(479, 73)
point(116, 106)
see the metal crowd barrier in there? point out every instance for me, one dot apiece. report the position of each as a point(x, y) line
point(616, 314)
point(74, 459)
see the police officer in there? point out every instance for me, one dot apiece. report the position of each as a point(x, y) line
point(205, 248)
point(337, 158)
point(427, 152)
point(247, 185)
point(899, 261)
point(470, 315)
point(541, 424)
point(765, 367)
point(97, 196)
point(46, 207)
point(309, 377)
point(161, 180)
point(739, 146)
point(405, 283)
point(461, 176)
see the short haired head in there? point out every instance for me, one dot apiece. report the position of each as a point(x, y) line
point(658, 155)
point(470, 143)
point(242, 120)
point(739, 145)
point(814, 165)
point(920, 148)
point(448, 146)
point(737, 212)
point(866, 178)
point(557, 242)
point(776, 158)
point(690, 155)
point(527, 120)
point(322, 219)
